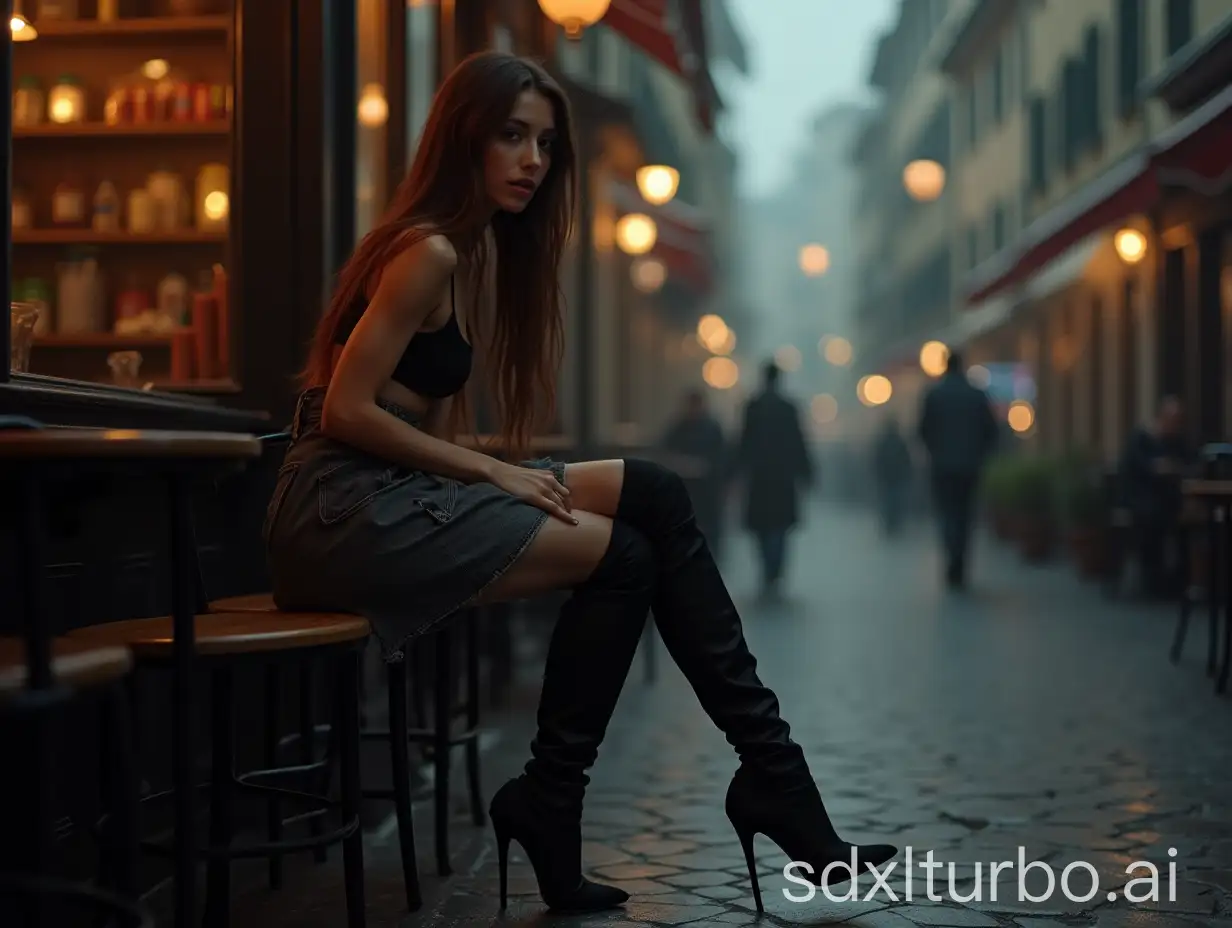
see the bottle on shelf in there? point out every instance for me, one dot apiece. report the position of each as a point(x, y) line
point(58, 10)
point(23, 209)
point(66, 102)
point(106, 208)
point(80, 309)
point(68, 203)
point(108, 11)
point(29, 102)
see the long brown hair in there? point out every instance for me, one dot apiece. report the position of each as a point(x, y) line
point(443, 193)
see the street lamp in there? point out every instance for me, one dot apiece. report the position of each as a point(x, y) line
point(1130, 245)
point(636, 234)
point(874, 390)
point(814, 260)
point(574, 15)
point(924, 180)
point(649, 274)
point(933, 357)
point(657, 183)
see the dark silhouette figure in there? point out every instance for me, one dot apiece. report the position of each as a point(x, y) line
point(1152, 464)
point(775, 464)
point(892, 471)
point(696, 448)
point(959, 431)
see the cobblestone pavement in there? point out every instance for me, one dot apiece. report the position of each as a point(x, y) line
point(1027, 713)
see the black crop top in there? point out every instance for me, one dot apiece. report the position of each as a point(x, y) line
point(435, 364)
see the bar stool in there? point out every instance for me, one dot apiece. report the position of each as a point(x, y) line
point(225, 643)
point(74, 671)
point(182, 458)
point(440, 736)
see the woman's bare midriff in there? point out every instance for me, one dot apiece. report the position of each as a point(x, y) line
point(395, 393)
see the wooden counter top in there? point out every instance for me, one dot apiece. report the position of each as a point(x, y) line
point(56, 401)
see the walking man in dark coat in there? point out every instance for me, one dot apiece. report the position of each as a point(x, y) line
point(959, 431)
point(774, 462)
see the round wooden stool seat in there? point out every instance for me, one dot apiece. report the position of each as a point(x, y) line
point(219, 634)
point(250, 602)
point(74, 663)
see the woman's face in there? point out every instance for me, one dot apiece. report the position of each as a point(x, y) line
point(519, 156)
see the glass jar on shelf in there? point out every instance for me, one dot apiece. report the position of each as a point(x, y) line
point(58, 10)
point(68, 203)
point(66, 103)
point(23, 209)
point(23, 317)
point(29, 102)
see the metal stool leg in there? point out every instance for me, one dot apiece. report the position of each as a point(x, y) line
point(273, 808)
point(119, 761)
point(443, 711)
point(307, 741)
point(400, 766)
point(478, 815)
point(218, 872)
point(349, 746)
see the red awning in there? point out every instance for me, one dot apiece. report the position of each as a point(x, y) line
point(644, 23)
point(1059, 232)
point(1197, 151)
point(683, 241)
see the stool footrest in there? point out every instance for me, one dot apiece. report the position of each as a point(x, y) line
point(165, 846)
point(254, 777)
point(423, 736)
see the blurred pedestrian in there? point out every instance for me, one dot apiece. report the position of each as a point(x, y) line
point(774, 463)
point(696, 448)
point(892, 472)
point(959, 431)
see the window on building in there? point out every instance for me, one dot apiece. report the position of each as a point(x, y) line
point(998, 228)
point(973, 126)
point(973, 245)
point(998, 87)
point(1178, 25)
point(1092, 67)
point(1129, 55)
point(1070, 112)
point(1037, 142)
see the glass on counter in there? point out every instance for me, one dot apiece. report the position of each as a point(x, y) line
point(66, 103)
point(125, 368)
point(29, 102)
point(23, 317)
point(33, 291)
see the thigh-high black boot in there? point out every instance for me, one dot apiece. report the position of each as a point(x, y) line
point(591, 651)
point(773, 792)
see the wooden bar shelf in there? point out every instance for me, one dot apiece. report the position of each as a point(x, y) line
point(120, 131)
point(103, 340)
point(155, 26)
point(90, 237)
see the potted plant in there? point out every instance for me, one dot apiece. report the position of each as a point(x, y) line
point(1034, 497)
point(1086, 520)
point(996, 492)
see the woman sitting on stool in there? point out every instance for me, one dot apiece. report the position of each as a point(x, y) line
point(378, 512)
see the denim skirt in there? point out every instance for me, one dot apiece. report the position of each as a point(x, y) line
point(349, 532)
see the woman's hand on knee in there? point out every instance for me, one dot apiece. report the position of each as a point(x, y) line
point(540, 488)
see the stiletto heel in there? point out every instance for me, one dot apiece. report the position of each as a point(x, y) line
point(746, 842)
point(553, 842)
point(796, 820)
point(502, 856)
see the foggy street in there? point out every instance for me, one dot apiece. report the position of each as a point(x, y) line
point(1028, 712)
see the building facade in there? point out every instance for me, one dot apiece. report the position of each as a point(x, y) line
point(1091, 149)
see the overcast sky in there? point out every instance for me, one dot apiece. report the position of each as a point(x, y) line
point(804, 54)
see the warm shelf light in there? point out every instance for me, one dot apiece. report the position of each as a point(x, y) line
point(373, 108)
